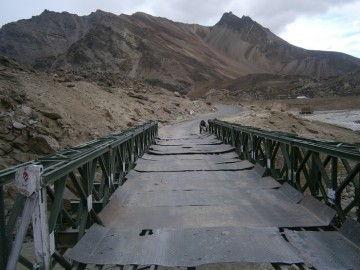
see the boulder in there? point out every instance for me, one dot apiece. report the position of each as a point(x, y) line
point(18, 95)
point(32, 122)
point(20, 156)
point(5, 125)
point(137, 111)
point(7, 102)
point(167, 110)
point(189, 111)
point(141, 102)
point(6, 147)
point(43, 130)
point(150, 110)
point(43, 144)
point(50, 114)
point(9, 137)
point(133, 95)
point(26, 109)
point(18, 125)
point(177, 94)
point(21, 143)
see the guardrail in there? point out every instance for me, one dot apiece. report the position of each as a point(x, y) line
point(89, 173)
point(329, 171)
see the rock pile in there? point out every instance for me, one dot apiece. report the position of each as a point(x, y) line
point(25, 132)
point(40, 113)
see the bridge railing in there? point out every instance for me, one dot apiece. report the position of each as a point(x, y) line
point(69, 189)
point(329, 171)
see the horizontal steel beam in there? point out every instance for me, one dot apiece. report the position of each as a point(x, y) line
point(61, 163)
point(341, 150)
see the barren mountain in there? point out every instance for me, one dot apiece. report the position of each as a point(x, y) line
point(177, 56)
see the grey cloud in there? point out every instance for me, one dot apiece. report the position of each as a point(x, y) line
point(195, 11)
point(276, 14)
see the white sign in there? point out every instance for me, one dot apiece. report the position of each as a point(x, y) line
point(25, 181)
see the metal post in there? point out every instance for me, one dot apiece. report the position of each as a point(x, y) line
point(43, 241)
point(28, 180)
point(20, 235)
point(3, 244)
point(356, 182)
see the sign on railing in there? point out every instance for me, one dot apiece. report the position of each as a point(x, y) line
point(72, 185)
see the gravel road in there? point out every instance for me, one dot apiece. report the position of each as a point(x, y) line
point(191, 126)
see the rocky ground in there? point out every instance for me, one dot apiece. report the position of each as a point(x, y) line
point(331, 120)
point(42, 113)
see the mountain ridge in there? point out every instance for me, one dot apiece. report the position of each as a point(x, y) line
point(186, 56)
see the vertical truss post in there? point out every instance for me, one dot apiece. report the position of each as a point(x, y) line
point(29, 206)
point(314, 174)
point(294, 165)
point(268, 153)
point(3, 239)
point(253, 147)
point(29, 183)
point(334, 184)
point(232, 132)
point(43, 241)
point(357, 195)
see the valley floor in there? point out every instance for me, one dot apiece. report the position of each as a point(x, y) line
point(334, 119)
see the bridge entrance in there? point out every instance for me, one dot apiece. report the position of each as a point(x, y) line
point(191, 202)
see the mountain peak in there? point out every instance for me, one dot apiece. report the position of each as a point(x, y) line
point(230, 19)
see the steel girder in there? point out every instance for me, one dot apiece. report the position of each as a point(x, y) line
point(90, 173)
point(326, 170)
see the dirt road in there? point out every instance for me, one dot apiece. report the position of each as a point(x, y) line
point(191, 126)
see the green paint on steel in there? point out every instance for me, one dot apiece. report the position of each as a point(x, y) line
point(91, 172)
point(3, 238)
point(306, 164)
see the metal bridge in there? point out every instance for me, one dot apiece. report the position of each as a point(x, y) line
point(142, 202)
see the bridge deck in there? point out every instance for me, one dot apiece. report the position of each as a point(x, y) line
point(191, 201)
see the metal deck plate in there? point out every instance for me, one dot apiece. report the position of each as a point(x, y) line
point(221, 176)
point(205, 141)
point(351, 230)
point(215, 158)
point(326, 250)
point(195, 137)
point(196, 149)
point(291, 215)
point(188, 248)
point(210, 180)
point(129, 198)
point(290, 192)
point(320, 210)
point(189, 165)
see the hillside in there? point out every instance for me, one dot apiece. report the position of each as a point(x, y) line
point(42, 113)
point(271, 86)
point(180, 57)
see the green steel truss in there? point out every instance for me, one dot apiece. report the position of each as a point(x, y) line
point(91, 171)
point(326, 170)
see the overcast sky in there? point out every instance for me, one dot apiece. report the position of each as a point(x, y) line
point(312, 24)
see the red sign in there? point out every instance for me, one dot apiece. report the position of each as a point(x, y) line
point(25, 176)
